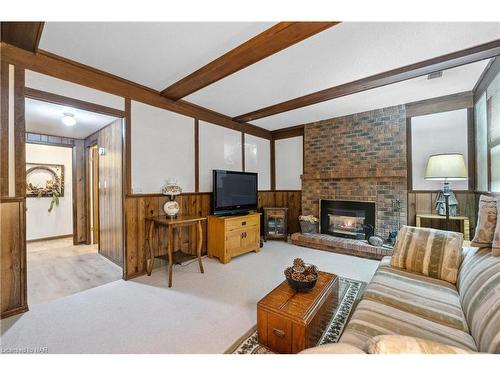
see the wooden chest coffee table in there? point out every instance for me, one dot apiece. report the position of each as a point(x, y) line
point(290, 321)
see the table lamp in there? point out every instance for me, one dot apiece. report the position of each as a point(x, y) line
point(446, 167)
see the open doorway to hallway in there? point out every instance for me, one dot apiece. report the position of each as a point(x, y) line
point(65, 254)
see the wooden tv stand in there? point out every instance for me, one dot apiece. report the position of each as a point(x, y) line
point(229, 236)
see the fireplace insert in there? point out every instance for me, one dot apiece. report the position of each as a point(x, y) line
point(349, 219)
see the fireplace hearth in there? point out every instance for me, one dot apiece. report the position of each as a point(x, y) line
point(348, 219)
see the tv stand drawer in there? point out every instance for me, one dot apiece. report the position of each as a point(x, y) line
point(240, 222)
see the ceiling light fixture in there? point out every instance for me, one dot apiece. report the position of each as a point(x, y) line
point(69, 119)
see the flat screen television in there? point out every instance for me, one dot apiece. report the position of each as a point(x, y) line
point(234, 193)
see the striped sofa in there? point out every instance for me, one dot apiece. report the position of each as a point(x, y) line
point(465, 315)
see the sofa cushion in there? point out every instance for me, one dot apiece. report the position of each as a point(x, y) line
point(479, 290)
point(429, 298)
point(372, 319)
point(396, 344)
point(486, 221)
point(496, 237)
point(431, 252)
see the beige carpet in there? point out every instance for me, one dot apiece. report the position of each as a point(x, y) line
point(202, 313)
point(57, 268)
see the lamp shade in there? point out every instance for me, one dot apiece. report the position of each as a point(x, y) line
point(446, 167)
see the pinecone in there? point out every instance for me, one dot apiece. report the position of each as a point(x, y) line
point(310, 277)
point(298, 262)
point(311, 270)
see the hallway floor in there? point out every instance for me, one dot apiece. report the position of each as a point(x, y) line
point(57, 268)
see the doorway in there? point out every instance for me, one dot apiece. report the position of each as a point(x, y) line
point(63, 174)
point(92, 193)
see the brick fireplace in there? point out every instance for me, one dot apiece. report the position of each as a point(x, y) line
point(360, 157)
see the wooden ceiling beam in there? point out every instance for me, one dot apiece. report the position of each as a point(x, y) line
point(280, 36)
point(448, 61)
point(72, 71)
point(25, 35)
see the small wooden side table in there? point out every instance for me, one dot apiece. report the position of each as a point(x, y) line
point(463, 219)
point(171, 224)
point(275, 223)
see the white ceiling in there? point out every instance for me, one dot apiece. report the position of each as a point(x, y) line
point(158, 54)
point(338, 55)
point(453, 81)
point(45, 118)
point(154, 54)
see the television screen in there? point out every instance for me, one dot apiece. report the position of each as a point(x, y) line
point(234, 191)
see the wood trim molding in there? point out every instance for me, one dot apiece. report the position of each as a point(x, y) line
point(19, 132)
point(4, 129)
point(273, 164)
point(51, 140)
point(25, 35)
point(196, 155)
point(59, 67)
point(127, 148)
point(243, 152)
point(71, 102)
point(276, 38)
point(293, 131)
point(440, 104)
point(448, 61)
point(489, 73)
point(471, 148)
point(409, 162)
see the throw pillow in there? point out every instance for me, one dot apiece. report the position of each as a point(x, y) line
point(396, 344)
point(496, 237)
point(430, 252)
point(486, 222)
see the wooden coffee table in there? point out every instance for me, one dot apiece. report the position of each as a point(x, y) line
point(290, 321)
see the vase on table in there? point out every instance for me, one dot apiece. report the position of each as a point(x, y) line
point(171, 207)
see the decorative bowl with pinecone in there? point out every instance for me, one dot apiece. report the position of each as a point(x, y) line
point(302, 276)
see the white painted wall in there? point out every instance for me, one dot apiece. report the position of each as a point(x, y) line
point(437, 133)
point(288, 158)
point(258, 159)
point(65, 88)
point(162, 149)
point(39, 222)
point(220, 148)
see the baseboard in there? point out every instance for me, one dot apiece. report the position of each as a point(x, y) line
point(15, 311)
point(50, 238)
point(134, 275)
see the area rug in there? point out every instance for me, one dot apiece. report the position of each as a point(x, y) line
point(350, 292)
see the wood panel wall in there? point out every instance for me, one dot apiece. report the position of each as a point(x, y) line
point(13, 256)
point(79, 196)
point(423, 203)
point(139, 207)
point(111, 193)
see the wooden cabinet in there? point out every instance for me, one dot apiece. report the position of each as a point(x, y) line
point(229, 236)
point(275, 223)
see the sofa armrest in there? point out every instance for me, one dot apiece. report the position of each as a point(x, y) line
point(338, 348)
point(396, 344)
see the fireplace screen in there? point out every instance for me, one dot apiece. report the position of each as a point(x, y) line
point(349, 219)
point(347, 223)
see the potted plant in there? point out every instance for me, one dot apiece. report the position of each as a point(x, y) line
point(308, 224)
